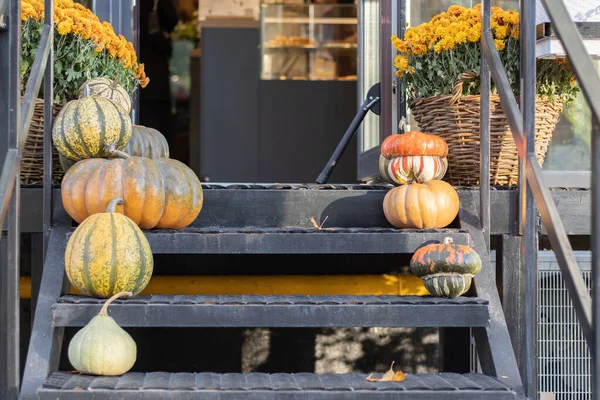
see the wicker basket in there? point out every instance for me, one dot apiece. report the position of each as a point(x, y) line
point(32, 163)
point(456, 119)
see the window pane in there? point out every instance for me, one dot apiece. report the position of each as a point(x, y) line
point(570, 148)
point(369, 69)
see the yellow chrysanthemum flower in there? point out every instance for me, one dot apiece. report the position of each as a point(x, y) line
point(501, 32)
point(64, 27)
point(456, 10)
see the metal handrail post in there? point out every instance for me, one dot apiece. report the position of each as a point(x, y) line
point(595, 239)
point(48, 116)
point(484, 132)
point(589, 82)
point(10, 50)
point(529, 246)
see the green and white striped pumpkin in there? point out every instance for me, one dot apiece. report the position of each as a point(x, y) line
point(84, 127)
point(447, 269)
point(104, 87)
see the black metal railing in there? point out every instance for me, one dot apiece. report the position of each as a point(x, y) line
point(15, 119)
point(534, 191)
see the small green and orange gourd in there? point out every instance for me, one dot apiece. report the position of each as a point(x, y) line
point(107, 254)
point(102, 347)
point(447, 269)
point(84, 127)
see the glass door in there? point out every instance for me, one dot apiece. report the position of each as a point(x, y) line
point(378, 20)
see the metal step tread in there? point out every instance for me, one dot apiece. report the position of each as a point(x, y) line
point(291, 240)
point(277, 311)
point(184, 385)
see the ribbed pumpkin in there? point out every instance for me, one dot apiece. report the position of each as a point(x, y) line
point(413, 157)
point(428, 205)
point(102, 347)
point(105, 87)
point(84, 127)
point(447, 269)
point(158, 193)
point(107, 254)
point(144, 142)
point(147, 142)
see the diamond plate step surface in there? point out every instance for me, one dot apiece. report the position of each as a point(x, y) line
point(194, 240)
point(277, 311)
point(255, 386)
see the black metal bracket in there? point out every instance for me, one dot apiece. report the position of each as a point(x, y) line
point(371, 103)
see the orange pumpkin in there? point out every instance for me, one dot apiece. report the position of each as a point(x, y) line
point(414, 143)
point(428, 205)
point(413, 157)
point(157, 193)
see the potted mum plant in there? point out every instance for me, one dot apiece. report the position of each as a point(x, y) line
point(84, 48)
point(440, 61)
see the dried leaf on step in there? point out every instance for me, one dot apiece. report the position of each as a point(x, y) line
point(320, 227)
point(390, 376)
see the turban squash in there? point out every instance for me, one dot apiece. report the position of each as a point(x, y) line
point(84, 127)
point(447, 269)
point(429, 205)
point(107, 254)
point(157, 193)
point(413, 157)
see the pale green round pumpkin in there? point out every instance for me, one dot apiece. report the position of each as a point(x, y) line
point(102, 347)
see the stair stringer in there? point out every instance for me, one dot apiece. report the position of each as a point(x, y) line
point(46, 341)
point(494, 347)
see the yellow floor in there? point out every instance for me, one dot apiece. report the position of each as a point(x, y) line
point(392, 284)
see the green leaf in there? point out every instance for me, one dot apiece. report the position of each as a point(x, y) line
point(71, 75)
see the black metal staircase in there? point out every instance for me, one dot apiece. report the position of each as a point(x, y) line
point(259, 219)
point(263, 226)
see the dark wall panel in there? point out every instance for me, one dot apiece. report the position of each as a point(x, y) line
point(228, 102)
point(301, 123)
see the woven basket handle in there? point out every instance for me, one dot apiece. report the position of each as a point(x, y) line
point(458, 84)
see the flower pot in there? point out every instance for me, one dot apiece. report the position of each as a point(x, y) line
point(32, 162)
point(456, 119)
